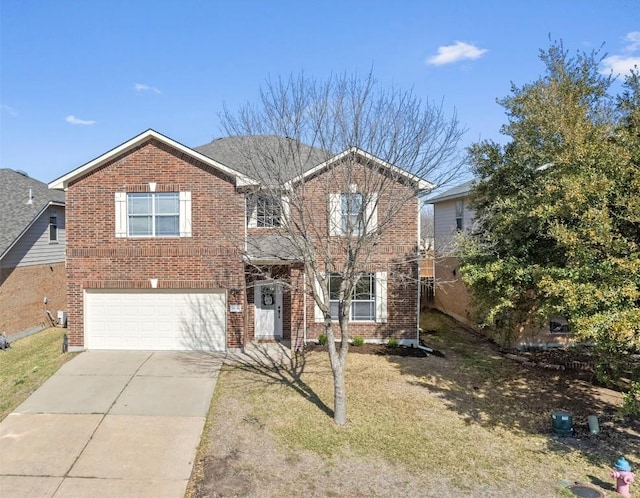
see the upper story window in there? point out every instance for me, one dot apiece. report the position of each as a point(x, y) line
point(151, 214)
point(459, 215)
point(363, 303)
point(53, 229)
point(268, 211)
point(353, 213)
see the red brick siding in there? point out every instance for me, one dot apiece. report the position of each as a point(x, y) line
point(22, 293)
point(395, 253)
point(211, 258)
point(453, 298)
point(208, 259)
point(451, 295)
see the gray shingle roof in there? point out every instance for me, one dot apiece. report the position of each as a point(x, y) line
point(272, 247)
point(279, 158)
point(15, 214)
point(458, 191)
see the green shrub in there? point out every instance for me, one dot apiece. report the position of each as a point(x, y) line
point(631, 400)
point(358, 340)
point(392, 342)
point(322, 339)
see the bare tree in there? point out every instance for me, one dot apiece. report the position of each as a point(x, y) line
point(345, 134)
point(426, 229)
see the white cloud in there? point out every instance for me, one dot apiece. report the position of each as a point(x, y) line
point(138, 87)
point(9, 110)
point(622, 64)
point(617, 64)
point(634, 41)
point(448, 54)
point(76, 121)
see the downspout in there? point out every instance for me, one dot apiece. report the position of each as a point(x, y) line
point(244, 272)
point(419, 255)
point(304, 307)
point(424, 348)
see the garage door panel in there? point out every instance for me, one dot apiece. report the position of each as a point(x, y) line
point(189, 320)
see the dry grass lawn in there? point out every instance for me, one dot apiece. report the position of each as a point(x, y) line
point(467, 424)
point(27, 365)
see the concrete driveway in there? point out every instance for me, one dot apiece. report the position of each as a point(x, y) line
point(110, 423)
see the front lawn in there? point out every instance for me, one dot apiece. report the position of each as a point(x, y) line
point(467, 424)
point(27, 365)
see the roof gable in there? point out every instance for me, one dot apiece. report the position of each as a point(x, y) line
point(63, 181)
point(418, 182)
point(17, 214)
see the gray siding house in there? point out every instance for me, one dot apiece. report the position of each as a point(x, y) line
point(452, 214)
point(32, 254)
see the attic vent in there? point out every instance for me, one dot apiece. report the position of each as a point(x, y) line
point(23, 173)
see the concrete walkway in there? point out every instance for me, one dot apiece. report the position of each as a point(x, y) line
point(112, 423)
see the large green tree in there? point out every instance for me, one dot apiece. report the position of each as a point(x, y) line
point(558, 207)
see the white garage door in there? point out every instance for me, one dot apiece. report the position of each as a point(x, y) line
point(155, 320)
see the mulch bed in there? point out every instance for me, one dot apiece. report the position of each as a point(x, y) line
point(376, 349)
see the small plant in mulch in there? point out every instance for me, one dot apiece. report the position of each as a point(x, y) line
point(322, 339)
point(392, 342)
point(358, 340)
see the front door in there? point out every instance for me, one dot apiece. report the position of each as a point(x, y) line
point(268, 306)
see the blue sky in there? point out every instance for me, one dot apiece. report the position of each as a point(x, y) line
point(80, 77)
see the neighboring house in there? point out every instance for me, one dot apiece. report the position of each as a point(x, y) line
point(163, 240)
point(32, 248)
point(452, 214)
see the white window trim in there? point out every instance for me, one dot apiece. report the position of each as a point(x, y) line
point(184, 220)
point(335, 214)
point(370, 214)
point(380, 294)
point(318, 316)
point(381, 297)
point(122, 216)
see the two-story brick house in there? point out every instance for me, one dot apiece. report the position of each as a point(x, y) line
point(177, 248)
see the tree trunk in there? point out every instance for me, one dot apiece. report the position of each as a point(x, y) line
point(338, 361)
point(339, 394)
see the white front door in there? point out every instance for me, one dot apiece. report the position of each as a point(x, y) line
point(268, 306)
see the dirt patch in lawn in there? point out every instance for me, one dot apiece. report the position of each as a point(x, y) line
point(467, 423)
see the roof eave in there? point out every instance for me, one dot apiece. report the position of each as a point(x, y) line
point(420, 184)
point(63, 182)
